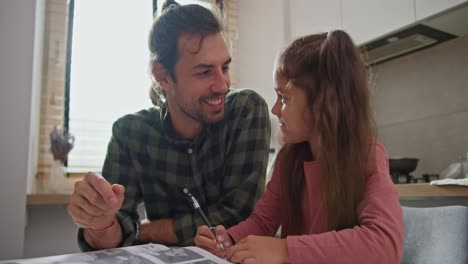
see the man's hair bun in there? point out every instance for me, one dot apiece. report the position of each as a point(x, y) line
point(169, 4)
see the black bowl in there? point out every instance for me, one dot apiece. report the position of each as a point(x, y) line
point(402, 165)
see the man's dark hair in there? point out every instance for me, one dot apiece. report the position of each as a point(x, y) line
point(166, 30)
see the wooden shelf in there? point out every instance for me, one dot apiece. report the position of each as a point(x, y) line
point(42, 197)
point(47, 199)
point(425, 190)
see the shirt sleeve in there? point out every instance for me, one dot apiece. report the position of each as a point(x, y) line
point(118, 169)
point(378, 238)
point(265, 219)
point(246, 160)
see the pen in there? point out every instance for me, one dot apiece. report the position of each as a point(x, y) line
point(194, 203)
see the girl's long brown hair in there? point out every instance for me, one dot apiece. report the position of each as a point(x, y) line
point(329, 68)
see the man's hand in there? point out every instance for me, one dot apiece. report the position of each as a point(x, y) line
point(259, 249)
point(95, 201)
point(158, 231)
point(206, 240)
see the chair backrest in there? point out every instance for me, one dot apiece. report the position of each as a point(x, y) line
point(436, 235)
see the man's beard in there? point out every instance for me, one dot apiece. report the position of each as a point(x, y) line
point(198, 115)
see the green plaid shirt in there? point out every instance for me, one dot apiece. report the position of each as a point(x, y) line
point(224, 167)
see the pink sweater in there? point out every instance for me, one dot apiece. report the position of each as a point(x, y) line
point(379, 238)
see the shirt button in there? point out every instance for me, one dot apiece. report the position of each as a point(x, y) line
point(189, 151)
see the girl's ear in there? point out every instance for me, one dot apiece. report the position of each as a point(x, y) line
point(162, 76)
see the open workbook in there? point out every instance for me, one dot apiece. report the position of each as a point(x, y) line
point(142, 254)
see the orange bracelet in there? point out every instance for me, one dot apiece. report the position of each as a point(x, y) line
point(105, 228)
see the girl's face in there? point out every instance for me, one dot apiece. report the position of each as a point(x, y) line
point(293, 112)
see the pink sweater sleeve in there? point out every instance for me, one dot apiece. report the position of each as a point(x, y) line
point(265, 219)
point(379, 238)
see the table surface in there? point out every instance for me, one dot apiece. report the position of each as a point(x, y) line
point(412, 190)
point(425, 190)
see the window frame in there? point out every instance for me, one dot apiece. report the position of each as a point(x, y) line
point(55, 87)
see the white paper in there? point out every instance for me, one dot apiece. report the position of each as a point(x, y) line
point(142, 254)
point(462, 182)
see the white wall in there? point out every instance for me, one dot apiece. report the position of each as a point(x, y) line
point(17, 19)
point(50, 231)
point(36, 93)
point(263, 33)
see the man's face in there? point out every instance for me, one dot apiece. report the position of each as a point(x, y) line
point(202, 80)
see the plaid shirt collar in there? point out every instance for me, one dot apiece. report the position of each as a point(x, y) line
point(170, 133)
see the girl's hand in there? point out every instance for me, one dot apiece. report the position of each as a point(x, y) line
point(259, 249)
point(206, 240)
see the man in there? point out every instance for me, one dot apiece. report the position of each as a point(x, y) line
point(202, 136)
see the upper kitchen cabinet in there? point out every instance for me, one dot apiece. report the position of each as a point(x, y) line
point(313, 16)
point(427, 8)
point(365, 20)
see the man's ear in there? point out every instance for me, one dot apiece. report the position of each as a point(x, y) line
point(162, 76)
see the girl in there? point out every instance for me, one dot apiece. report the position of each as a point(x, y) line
point(331, 190)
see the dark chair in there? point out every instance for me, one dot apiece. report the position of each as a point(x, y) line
point(436, 235)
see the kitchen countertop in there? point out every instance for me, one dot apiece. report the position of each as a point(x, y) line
point(425, 190)
point(413, 190)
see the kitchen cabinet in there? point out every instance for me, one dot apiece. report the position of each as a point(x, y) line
point(427, 8)
point(365, 20)
point(313, 16)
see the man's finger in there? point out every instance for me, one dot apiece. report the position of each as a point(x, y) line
point(88, 207)
point(104, 188)
point(80, 224)
point(79, 215)
point(85, 189)
point(119, 191)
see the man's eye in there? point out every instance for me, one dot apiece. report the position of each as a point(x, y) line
point(204, 73)
point(225, 68)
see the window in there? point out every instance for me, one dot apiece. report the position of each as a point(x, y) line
point(106, 69)
point(108, 73)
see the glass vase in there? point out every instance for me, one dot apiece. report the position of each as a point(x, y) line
point(55, 182)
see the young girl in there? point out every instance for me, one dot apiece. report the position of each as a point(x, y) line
point(331, 190)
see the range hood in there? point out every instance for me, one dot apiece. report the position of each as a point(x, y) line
point(424, 34)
